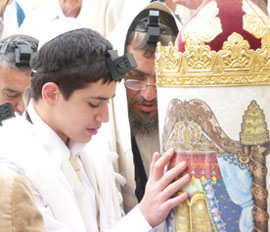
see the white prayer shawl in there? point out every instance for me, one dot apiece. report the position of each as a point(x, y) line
point(119, 108)
point(130, 10)
point(4, 30)
point(101, 15)
point(53, 177)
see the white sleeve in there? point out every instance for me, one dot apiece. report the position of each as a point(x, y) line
point(50, 222)
point(52, 225)
point(134, 221)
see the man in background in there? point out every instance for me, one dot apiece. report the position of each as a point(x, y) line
point(101, 16)
point(14, 15)
point(15, 54)
point(135, 105)
point(4, 30)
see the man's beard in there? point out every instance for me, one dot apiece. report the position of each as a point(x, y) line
point(142, 126)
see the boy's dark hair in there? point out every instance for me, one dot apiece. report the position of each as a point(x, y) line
point(17, 50)
point(138, 34)
point(72, 60)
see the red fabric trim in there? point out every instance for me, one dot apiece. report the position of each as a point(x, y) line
point(198, 164)
point(231, 17)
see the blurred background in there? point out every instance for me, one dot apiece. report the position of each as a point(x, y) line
point(19, 9)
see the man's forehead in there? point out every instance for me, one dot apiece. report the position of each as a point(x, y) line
point(68, 2)
point(11, 75)
point(4, 67)
point(141, 75)
point(145, 65)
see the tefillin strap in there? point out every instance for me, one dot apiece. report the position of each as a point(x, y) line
point(117, 66)
point(23, 51)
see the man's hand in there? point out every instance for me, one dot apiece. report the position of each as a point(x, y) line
point(159, 197)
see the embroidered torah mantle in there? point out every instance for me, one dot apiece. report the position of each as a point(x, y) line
point(214, 109)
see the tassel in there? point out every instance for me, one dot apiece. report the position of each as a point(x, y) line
point(203, 179)
point(214, 180)
point(193, 180)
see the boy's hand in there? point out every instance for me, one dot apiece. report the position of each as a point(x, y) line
point(159, 196)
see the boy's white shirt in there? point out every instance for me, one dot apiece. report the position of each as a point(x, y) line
point(67, 204)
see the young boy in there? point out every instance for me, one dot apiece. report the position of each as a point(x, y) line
point(74, 76)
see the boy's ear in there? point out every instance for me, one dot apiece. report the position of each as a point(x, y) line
point(50, 93)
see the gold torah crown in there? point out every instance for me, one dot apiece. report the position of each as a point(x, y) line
point(224, 43)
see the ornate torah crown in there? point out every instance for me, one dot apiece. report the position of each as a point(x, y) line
point(225, 43)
